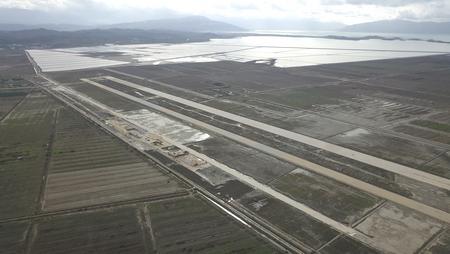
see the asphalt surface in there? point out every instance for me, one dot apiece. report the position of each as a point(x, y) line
point(405, 171)
point(396, 198)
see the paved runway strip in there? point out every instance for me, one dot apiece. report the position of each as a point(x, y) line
point(396, 198)
point(358, 156)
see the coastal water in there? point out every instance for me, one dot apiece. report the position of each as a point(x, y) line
point(278, 48)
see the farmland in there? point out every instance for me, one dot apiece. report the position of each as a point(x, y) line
point(191, 226)
point(171, 226)
point(13, 237)
point(223, 157)
point(115, 231)
point(105, 170)
point(70, 186)
point(25, 134)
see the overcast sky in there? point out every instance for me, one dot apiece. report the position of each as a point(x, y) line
point(344, 11)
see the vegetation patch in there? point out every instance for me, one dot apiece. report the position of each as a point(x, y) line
point(432, 125)
point(191, 226)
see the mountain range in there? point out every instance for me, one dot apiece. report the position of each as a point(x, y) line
point(190, 24)
point(43, 38)
point(185, 24)
point(15, 20)
point(400, 26)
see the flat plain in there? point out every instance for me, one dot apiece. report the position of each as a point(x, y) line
point(83, 171)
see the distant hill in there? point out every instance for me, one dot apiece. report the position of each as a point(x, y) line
point(57, 27)
point(14, 27)
point(287, 24)
point(400, 26)
point(191, 24)
point(43, 38)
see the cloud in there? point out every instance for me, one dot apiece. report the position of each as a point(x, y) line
point(433, 11)
point(35, 4)
point(387, 3)
point(347, 11)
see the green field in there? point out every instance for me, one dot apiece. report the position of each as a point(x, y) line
point(302, 227)
point(25, 136)
point(305, 97)
point(432, 125)
point(337, 201)
point(89, 167)
point(191, 226)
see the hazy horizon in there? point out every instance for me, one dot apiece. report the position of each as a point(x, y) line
point(332, 12)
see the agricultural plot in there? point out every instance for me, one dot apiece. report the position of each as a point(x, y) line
point(8, 102)
point(90, 167)
point(14, 64)
point(77, 139)
point(12, 91)
point(102, 232)
point(191, 226)
point(182, 225)
point(25, 137)
point(13, 237)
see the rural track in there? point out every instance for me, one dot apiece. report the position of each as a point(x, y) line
point(97, 207)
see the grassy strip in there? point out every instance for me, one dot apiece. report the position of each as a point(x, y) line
point(432, 125)
point(12, 93)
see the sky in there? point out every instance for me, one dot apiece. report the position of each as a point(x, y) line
point(342, 11)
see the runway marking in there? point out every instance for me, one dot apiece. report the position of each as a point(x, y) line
point(393, 167)
point(396, 198)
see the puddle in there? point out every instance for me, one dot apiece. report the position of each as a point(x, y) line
point(356, 133)
point(166, 127)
